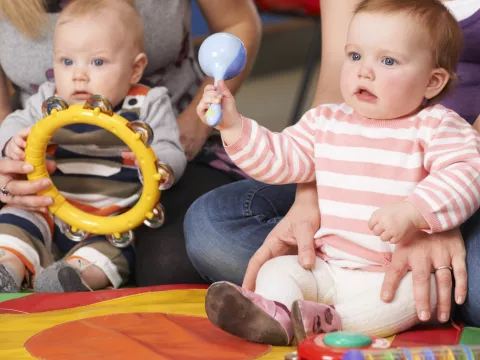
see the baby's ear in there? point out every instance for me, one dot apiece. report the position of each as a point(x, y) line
point(139, 65)
point(438, 80)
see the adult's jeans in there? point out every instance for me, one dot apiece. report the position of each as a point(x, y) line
point(470, 311)
point(225, 227)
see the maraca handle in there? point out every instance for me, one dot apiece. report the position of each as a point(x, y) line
point(214, 115)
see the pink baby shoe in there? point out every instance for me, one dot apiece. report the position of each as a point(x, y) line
point(245, 314)
point(311, 318)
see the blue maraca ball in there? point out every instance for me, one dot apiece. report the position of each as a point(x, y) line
point(222, 56)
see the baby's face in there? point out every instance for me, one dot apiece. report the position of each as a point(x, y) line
point(92, 56)
point(387, 66)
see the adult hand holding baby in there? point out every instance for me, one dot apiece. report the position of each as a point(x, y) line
point(399, 223)
point(423, 255)
point(18, 191)
point(294, 234)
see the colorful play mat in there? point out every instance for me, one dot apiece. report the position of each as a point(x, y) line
point(163, 322)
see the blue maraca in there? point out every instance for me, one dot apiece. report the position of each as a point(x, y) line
point(221, 56)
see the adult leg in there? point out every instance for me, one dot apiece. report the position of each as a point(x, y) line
point(161, 254)
point(470, 310)
point(225, 227)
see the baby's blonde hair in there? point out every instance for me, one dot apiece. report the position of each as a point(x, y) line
point(125, 11)
point(28, 16)
point(445, 36)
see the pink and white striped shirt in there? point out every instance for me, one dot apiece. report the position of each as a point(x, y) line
point(430, 159)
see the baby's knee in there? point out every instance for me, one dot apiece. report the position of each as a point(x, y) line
point(279, 267)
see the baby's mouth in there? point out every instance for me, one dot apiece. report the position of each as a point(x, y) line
point(83, 95)
point(364, 95)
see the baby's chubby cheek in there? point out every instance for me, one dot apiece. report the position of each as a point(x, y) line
point(390, 90)
point(347, 88)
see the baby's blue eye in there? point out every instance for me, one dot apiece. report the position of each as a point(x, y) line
point(98, 62)
point(355, 56)
point(67, 62)
point(389, 61)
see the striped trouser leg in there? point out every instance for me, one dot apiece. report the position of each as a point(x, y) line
point(28, 235)
point(116, 263)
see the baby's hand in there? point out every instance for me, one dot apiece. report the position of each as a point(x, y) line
point(230, 117)
point(396, 222)
point(15, 148)
point(130, 156)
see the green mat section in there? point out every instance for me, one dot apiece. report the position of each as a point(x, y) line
point(10, 296)
point(470, 336)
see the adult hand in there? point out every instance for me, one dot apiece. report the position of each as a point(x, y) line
point(193, 132)
point(294, 234)
point(21, 192)
point(423, 255)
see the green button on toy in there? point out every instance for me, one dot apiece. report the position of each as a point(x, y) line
point(346, 339)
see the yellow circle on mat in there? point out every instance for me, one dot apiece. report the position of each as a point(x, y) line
point(17, 329)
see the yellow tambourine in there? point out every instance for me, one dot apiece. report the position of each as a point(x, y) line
point(137, 135)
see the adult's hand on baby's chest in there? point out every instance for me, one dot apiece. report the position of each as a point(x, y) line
point(423, 255)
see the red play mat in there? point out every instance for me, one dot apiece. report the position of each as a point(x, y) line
point(163, 322)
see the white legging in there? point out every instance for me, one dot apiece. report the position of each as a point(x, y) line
point(354, 293)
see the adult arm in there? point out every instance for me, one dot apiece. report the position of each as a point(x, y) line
point(295, 232)
point(5, 102)
point(334, 26)
point(476, 124)
point(335, 19)
point(240, 18)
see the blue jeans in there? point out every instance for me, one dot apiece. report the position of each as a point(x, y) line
point(225, 227)
point(471, 235)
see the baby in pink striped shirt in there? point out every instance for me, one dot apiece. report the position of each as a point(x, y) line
point(386, 164)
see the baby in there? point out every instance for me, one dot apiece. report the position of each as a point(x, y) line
point(386, 164)
point(98, 49)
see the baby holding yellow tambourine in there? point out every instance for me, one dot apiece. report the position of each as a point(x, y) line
point(98, 49)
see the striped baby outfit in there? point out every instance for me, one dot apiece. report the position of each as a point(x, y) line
point(93, 176)
point(430, 159)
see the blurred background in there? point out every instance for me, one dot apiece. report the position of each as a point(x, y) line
point(277, 93)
